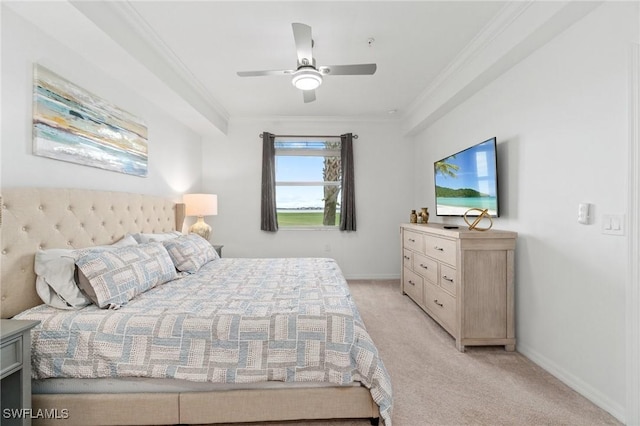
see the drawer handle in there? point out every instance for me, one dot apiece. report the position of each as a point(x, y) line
point(446, 278)
point(438, 248)
point(411, 282)
point(407, 257)
point(412, 240)
point(438, 303)
point(423, 266)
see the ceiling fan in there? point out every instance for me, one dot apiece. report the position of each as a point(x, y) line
point(307, 76)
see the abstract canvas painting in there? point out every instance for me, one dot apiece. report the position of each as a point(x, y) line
point(71, 124)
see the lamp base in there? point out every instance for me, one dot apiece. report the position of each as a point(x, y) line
point(201, 228)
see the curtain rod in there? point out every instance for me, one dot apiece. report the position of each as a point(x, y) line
point(307, 136)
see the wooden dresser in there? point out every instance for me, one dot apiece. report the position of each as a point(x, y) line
point(463, 279)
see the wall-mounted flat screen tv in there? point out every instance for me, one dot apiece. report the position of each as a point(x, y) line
point(468, 180)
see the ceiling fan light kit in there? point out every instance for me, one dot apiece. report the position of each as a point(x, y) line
point(307, 79)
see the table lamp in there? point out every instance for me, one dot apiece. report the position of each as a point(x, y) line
point(201, 205)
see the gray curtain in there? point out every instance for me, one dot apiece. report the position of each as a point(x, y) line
point(348, 202)
point(268, 218)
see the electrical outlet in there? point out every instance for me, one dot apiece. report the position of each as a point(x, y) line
point(583, 213)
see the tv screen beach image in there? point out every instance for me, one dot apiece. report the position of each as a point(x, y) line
point(467, 180)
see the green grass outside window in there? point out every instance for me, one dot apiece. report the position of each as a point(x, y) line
point(303, 219)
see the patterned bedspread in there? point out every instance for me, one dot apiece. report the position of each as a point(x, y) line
point(235, 321)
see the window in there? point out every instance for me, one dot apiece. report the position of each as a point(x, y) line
point(308, 182)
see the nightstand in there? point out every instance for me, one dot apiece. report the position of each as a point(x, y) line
point(15, 371)
point(218, 249)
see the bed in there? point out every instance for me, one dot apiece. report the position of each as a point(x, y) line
point(238, 340)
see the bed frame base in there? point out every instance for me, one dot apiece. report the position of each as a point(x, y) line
point(204, 407)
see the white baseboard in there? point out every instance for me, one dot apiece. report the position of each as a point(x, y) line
point(577, 384)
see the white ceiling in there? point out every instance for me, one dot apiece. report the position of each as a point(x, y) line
point(184, 55)
point(414, 41)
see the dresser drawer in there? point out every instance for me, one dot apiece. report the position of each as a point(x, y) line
point(407, 258)
point(426, 267)
point(10, 356)
point(441, 249)
point(448, 279)
point(441, 304)
point(413, 241)
point(413, 285)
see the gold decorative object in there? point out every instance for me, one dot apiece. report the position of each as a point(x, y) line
point(413, 218)
point(474, 225)
point(424, 214)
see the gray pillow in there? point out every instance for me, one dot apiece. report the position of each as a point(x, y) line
point(55, 270)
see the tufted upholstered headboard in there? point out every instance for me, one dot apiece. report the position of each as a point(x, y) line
point(44, 218)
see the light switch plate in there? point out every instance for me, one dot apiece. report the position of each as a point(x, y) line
point(613, 224)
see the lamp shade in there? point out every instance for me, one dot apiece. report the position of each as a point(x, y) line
point(201, 204)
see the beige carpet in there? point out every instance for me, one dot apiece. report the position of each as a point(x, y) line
point(434, 384)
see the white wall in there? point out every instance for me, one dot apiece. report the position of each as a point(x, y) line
point(561, 119)
point(232, 169)
point(174, 150)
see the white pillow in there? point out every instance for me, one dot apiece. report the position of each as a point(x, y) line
point(55, 270)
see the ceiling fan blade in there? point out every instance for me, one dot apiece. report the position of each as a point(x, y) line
point(261, 73)
point(355, 69)
point(309, 96)
point(304, 43)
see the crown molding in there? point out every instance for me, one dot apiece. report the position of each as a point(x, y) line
point(505, 17)
point(151, 37)
point(122, 22)
point(516, 31)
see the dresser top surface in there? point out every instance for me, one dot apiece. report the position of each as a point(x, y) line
point(462, 231)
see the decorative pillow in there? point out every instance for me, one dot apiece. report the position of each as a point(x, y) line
point(117, 276)
point(190, 252)
point(152, 238)
point(55, 283)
